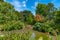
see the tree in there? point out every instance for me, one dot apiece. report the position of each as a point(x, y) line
point(6, 12)
point(19, 15)
point(30, 19)
point(27, 16)
point(50, 7)
point(45, 10)
point(57, 20)
point(1, 0)
point(39, 18)
point(57, 17)
point(41, 9)
point(6, 7)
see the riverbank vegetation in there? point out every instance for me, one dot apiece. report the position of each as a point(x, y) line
point(23, 25)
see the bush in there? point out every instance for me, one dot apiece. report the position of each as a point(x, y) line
point(58, 37)
point(58, 28)
point(14, 25)
point(29, 20)
point(42, 27)
point(39, 26)
point(16, 36)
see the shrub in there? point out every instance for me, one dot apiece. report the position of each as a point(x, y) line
point(30, 20)
point(39, 26)
point(42, 27)
point(14, 25)
point(58, 28)
point(16, 36)
point(58, 37)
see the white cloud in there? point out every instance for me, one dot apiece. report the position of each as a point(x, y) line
point(5, 0)
point(18, 9)
point(24, 3)
point(16, 3)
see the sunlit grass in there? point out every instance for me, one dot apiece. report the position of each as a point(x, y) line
point(58, 37)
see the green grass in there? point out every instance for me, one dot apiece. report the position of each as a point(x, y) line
point(23, 35)
point(58, 37)
point(16, 35)
point(42, 36)
point(13, 25)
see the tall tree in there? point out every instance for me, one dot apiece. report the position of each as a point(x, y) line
point(39, 18)
point(27, 16)
point(46, 10)
point(6, 11)
point(1, 0)
point(57, 20)
point(41, 9)
point(6, 7)
point(57, 17)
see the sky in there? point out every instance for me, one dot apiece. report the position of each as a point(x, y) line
point(30, 5)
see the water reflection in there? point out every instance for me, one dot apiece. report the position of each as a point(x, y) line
point(32, 36)
point(40, 36)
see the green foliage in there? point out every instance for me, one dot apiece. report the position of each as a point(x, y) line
point(58, 28)
point(45, 10)
point(28, 17)
point(16, 36)
point(43, 27)
point(39, 26)
point(1, 0)
point(42, 36)
point(7, 12)
point(24, 35)
point(1, 18)
point(41, 9)
point(51, 17)
point(57, 17)
point(6, 8)
point(58, 37)
point(57, 20)
point(10, 20)
point(14, 25)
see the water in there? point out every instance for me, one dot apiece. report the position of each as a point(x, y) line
point(32, 36)
point(39, 36)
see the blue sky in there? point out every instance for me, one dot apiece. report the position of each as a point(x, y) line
point(21, 5)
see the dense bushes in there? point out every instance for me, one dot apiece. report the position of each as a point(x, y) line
point(38, 26)
point(16, 36)
point(14, 25)
point(47, 20)
point(24, 35)
point(51, 17)
point(58, 28)
point(42, 27)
